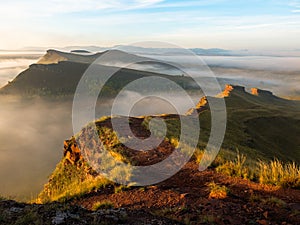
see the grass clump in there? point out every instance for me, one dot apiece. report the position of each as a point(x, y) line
point(274, 202)
point(236, 168)
point(121, 188)
point(102, 205)
point(279, 174)
point(217, 191)
point(275, 172)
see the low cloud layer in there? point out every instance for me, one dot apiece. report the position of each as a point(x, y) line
point(31, 141)
point(13, 63)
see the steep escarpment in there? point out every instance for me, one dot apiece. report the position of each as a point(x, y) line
point(78, 180)
point(74, 169)
point(249, 129)
point(53, 57)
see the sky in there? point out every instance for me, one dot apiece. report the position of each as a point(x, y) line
point(228, 24)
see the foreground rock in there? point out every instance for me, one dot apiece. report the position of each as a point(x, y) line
point(12, 213)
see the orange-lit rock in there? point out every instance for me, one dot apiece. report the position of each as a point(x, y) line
point(202, 105)
point(71, 151)
point(254, 91)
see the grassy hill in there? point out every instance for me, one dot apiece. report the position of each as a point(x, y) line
point(58, 74)
point(256, 126)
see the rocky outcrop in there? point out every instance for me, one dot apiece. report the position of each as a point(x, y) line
point(201, 106)
point(254, 91)
point(56, 213)
point(229, 89)
point(259, 92)
point(52, 57)
point(71, 151)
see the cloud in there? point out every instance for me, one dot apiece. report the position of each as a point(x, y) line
point(176, 4)
point(35, 8)
point(295, 4)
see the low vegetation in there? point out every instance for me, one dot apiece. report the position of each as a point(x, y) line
point(102, 205)
point(236, 168)
point(273, 201)
point(217, 191)
point(280, 174)
point(273, 172)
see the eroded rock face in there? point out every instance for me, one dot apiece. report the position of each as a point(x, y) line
point(201, 106)
point(227, 90)
point(52, 56)
point(259, 92)
point(71, 151)
point(254, 91)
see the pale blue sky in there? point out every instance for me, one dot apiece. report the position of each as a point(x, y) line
point(230, 24)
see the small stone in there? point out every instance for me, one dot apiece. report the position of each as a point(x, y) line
point(262, 222)
point(59, 218)
point(15, 210)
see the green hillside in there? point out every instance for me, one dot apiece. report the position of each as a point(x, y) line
point(261, 127)
point(61, 79)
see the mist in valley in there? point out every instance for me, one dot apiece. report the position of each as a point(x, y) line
point(12, 63)
point(277, 74)
point(31, 141)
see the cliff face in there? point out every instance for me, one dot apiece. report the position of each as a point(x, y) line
point(52, 57)
point(231, 89)
point(259, 92)
point(201, 106)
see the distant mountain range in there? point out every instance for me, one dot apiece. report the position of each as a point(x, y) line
point(156, 50)
point(146, 50)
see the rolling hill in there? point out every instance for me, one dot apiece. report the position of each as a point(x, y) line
point(58, 74)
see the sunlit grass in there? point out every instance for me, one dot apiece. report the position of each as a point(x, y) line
point(217, 191)
point(273, 172)
point(102, 205)
point(280, 174)
point(236, 168)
